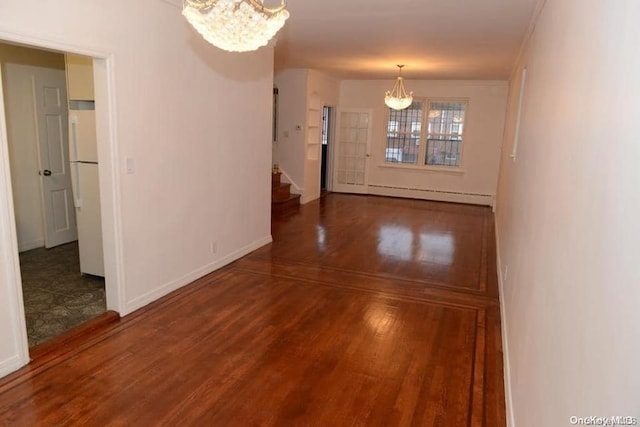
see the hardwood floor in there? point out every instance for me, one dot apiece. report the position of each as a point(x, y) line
point(364, 311)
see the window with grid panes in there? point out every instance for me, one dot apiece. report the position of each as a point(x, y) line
point(445, 126)
point(403, 134)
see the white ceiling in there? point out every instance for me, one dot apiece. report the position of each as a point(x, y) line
point(435, 39)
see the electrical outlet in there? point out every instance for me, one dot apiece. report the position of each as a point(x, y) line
point(213, 246)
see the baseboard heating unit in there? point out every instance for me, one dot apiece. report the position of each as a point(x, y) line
point(428, 194)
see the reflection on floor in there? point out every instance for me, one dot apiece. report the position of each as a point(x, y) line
point(56, 296)
point(363, 311)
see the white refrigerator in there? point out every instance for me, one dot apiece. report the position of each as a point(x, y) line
point(83, 159)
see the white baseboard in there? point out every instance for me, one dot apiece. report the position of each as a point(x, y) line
point(309, 198)
point(167, 288)
point(505, 335)
point(10, 365)
point(27, 246)
point(440, 196)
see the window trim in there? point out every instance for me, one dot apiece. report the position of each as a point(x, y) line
point(422, 165)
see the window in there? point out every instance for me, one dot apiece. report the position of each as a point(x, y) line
point(443, 134)
point(403, 134)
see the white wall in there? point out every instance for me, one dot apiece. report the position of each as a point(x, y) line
point(567, 218)
point(21, 130)
point(298, 90)
point(322, 90)
point(196, 120)
point(289, 150)
point(481, 145)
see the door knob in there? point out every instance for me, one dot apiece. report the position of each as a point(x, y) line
point(46, 172)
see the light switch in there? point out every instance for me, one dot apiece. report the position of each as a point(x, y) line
point(131, 165)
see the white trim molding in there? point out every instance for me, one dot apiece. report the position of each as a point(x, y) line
point(10, 365)
point(167, 288)
point(104, 76)
point(537, 10)
point(10, 278)
point(506, 365)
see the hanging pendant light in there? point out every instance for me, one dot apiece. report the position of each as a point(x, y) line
point(235, 25)
point(397, 98)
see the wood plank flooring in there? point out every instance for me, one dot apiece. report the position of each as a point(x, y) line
point(364, 311)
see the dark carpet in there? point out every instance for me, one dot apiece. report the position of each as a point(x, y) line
point(56, 296)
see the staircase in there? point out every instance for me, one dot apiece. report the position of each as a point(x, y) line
point(282, 201)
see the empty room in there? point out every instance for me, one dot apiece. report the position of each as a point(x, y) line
point(323, 213)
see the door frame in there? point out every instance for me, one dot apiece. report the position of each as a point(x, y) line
point(330, 148)
point(334, 155)
point(110, 194)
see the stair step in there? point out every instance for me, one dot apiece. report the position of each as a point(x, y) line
point(292, 202)
point(292, 197)
point(281, 193)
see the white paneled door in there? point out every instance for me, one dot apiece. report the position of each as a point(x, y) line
point(51, 108)
point(352, 151)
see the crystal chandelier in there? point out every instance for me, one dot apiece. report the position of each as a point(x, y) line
point(235, 25)
point(397, 98)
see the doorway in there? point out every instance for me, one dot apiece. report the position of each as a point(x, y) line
point(352, 151)
point(54, 183)
point(327, 127)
